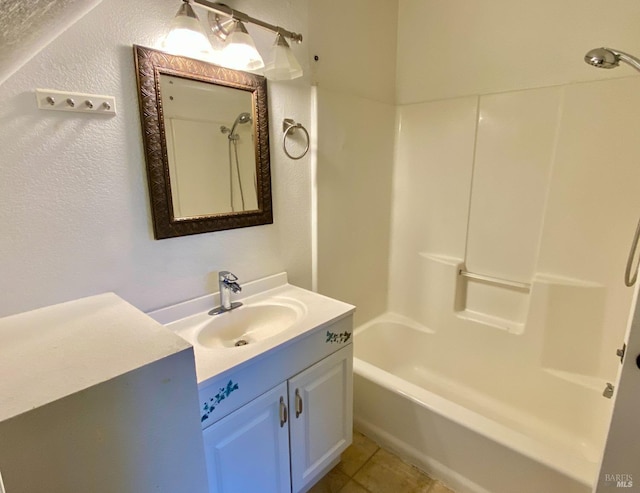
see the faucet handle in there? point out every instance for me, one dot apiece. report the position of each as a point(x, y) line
point(225, 275)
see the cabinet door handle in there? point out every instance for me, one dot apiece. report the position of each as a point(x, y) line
point(298, 404)
point(283, 412)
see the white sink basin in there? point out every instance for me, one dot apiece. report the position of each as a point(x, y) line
point(273, 313)
point(247, 324)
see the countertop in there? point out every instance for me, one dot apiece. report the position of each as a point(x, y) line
point(53, 352)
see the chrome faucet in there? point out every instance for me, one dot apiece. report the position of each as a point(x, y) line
point(227, 284)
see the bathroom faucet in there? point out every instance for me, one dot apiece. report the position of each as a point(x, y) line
point(227, 284)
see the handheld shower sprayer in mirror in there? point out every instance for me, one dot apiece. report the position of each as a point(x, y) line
point(608, 58)
point(242, 119)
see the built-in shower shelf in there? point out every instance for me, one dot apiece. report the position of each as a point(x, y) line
point(510, 326)
point(586, 381)
point(492, 301)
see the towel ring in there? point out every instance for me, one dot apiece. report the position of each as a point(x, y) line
point(290, 126)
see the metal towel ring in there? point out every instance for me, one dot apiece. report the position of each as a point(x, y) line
point(290, 126)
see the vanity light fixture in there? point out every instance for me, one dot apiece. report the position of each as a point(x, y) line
point(220, 26)
point(239, 51)
point(186, 36)
point(283, 64)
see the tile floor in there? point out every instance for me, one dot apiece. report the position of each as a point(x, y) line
point(367, 468)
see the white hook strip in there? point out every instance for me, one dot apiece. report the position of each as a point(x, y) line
point(50, 99)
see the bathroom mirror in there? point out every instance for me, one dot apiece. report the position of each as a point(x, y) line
point(206, 138)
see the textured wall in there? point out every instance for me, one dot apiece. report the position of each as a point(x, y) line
point(29, 25)
point(75, 211)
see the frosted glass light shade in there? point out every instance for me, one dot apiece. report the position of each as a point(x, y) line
point(186, 36)
point(282, 64)
point(240, 51)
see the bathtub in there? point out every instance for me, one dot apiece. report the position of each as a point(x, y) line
point(410, 397)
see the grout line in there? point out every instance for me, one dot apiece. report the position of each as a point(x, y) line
point(367, 490)
point(364, 464)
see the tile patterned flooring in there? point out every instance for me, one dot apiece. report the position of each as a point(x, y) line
point(367, 468)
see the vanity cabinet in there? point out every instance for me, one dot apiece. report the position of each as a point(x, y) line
point(288, 437)
point(248, 450)
point(321, 415)
point(276, 411)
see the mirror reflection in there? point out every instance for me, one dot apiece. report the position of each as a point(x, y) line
point(210, 146)
point(206, 139)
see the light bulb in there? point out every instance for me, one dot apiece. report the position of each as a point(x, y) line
point(186, 36)
point(283, 64)
point(240, 51)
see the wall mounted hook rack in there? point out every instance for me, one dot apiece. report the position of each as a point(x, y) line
point(50, 99)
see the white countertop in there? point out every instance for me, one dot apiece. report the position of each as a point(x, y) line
point(53, 352)
point(319, 311)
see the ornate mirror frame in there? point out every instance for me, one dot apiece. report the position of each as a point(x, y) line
point(150, 64)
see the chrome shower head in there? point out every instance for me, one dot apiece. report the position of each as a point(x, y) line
point(608, 58)
point(244, 118)
point(241, 119)
point(602, 58)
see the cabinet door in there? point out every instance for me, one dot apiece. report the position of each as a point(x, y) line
point(248, 450)
point(320, 403)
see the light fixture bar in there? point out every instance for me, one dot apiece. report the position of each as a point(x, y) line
point(222, 9)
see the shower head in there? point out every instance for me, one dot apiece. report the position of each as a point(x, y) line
point(241, 119)
point(602, 58)
point(608, 58)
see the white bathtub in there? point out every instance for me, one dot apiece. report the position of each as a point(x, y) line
point(447, 419)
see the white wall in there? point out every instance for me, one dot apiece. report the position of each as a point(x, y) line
point(355, 43)
point(75, 209)
point(355, 76)
point(459, 48)
point(355, 151)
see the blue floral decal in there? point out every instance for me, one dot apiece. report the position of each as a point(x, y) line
point(222, 394)
point(340, 337)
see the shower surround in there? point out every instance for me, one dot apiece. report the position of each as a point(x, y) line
point(520, 175)
point(519, 186)
point(518, 189)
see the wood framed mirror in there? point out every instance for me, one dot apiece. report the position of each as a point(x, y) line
point(206, 138)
